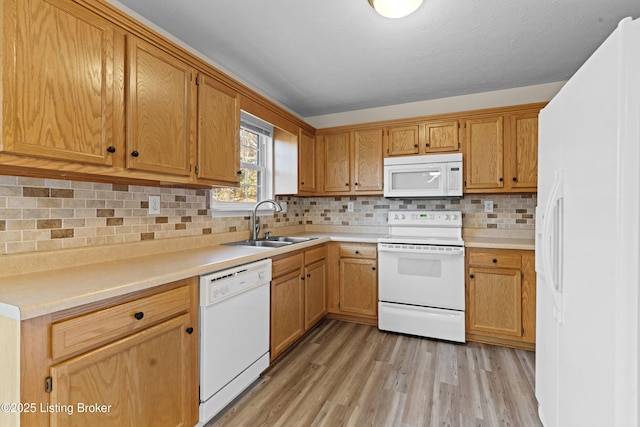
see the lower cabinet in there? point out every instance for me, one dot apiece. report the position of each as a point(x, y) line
point(298, 296)
point(129, 363)
point(353, 286)
point(501, 297)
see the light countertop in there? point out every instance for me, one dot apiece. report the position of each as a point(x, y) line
point(38, 293)
point(499, 239)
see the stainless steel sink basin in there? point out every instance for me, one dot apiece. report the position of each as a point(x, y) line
point(271, 242)
point(290, 239)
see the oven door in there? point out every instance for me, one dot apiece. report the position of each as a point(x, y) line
point(431, 276)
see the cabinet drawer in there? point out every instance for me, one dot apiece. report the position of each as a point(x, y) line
point(494, 259)
point(357, 251)
point(102, 326)
point(285, 265)
point(315, 254)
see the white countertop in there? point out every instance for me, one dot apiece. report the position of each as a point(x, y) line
point(35, 294)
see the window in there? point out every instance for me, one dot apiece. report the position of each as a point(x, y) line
point(256, 164)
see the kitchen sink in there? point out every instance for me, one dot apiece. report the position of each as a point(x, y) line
point(271, 242)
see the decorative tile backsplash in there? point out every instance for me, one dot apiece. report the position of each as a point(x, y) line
point(44, 214)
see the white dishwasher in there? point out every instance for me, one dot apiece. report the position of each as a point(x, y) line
point(234, 333)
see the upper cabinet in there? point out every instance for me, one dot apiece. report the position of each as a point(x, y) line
point(402, 140)
point(501, 153)
point(158, 109)
point(441, 136)
point(484, 146)
point(522, 151)
point(218, 132)
point(337, 172)
point(306, 162)
point(90, 93)
point(367, 161)
point(352, 162)
point(423, 138)
point(60, 73)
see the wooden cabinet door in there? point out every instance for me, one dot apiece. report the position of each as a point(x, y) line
point(158, 110)
point(142, 380)
point(315, 294)
point(306, 163)
point(484, 167)
point(59, 91)
point(336, 154)
point(522, 151)
point(441, 137)
point(358, 286)
point(287, 316)
point(495, 302)
point(403, 140)
point(218, 132)
point(367, 158)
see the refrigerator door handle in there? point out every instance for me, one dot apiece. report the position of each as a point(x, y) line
point(552, 234)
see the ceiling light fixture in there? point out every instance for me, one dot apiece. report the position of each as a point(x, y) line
point(395, 8)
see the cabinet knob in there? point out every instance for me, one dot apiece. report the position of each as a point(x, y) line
point(135, 153)
point(373, 268)
point(501, 179)
point(239, 173)
point(189, 330)
point(308, 274)
point(111, 149)
point(357, 252)
point(494, 261)
point(471, 276)
point(356, 183)
point(514, 179)
point(346, 184)
point(426, 145)
point(415, 145)
point(139, 315)
point(302, 278)
point(302, 183)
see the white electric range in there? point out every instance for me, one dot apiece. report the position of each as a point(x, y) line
point(421, 275)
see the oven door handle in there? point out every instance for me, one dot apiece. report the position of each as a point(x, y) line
point(416, 249)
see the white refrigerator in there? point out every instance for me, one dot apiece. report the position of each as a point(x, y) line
point(587, 237)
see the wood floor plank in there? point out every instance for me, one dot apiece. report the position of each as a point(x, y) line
point(345, 374)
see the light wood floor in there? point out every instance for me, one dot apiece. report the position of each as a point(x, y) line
point(344, 374)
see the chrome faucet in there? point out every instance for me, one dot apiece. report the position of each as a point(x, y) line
point(255, 221)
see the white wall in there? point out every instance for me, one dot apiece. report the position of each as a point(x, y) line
point(499, 98)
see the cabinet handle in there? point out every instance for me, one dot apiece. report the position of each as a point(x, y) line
point(494, 261)
point(189, 330)
point(471, 276)
point(111, 149)
point(514, 179)
point(139, 315)
point(135, 153)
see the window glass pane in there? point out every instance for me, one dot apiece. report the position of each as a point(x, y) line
point(249, 145)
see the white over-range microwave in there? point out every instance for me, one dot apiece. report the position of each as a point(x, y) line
point(433, 175)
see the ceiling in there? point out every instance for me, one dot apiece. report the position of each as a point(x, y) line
point(318, 57)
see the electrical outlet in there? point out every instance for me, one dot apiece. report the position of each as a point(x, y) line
point(349, 206)
point(488, 205)
point(154, 205)
point(283, 205)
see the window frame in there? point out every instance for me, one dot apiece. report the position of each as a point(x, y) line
point(265, 131)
